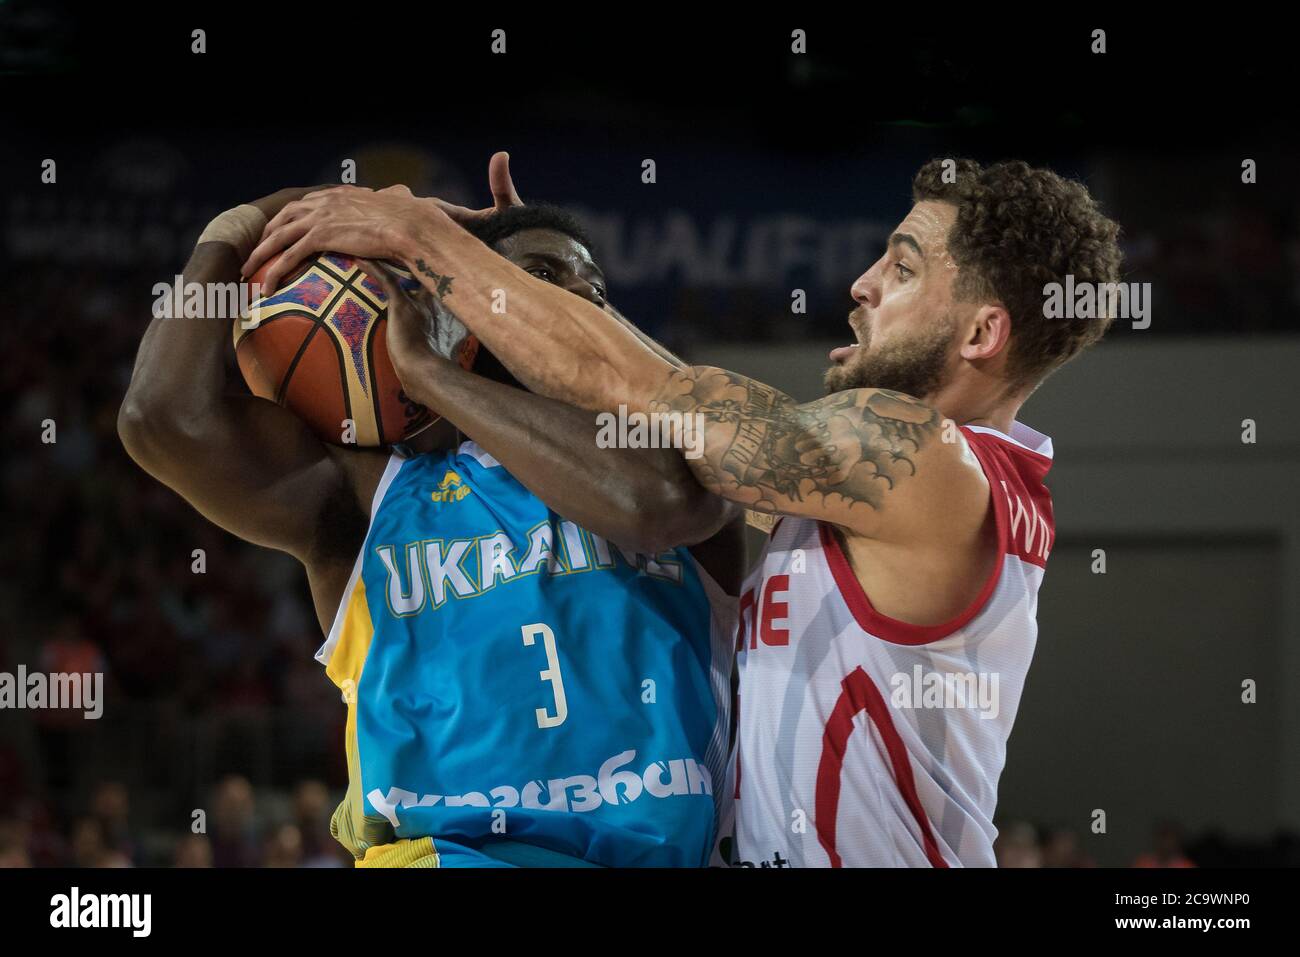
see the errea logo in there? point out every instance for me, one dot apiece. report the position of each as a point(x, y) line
point(450, 489)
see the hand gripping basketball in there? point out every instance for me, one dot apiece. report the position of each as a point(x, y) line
point(317, 345)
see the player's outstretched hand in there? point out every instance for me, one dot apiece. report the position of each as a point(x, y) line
point(357, 221)
point(240, 227)
point(504, 195)
point(350, 220)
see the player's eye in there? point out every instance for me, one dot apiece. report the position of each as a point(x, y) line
point(600, 291)
point(542, 273)
point(903, 271)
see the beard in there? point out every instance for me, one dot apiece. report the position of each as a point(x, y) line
point(914, 366)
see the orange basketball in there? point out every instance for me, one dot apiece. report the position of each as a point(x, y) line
point(317, 347)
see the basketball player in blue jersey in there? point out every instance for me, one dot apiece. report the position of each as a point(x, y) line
point(530, 631)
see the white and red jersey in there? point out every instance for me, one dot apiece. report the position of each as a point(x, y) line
point(866, 741)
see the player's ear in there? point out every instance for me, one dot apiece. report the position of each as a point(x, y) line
point(988, 333)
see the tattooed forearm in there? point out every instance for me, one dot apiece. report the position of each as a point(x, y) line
point(767, 450)
point(444, 282)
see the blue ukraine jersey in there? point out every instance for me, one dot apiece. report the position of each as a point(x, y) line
point(515, 682)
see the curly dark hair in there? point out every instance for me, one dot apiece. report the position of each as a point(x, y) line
point(1017, 229)
point(507, 222)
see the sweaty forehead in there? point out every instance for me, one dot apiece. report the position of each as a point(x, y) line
point(929, 222)
point(545, 242)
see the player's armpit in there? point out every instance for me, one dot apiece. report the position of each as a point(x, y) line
point(724, 555)
point(875, 462)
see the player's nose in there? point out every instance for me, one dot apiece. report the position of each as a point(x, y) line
point(580, 287)
point(866, 289)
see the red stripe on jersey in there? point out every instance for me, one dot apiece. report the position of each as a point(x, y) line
point(860, 694)
point(1021, 501)
point(891, 629)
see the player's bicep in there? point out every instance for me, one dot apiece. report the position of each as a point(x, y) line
point(881, 464)
point(250, 466)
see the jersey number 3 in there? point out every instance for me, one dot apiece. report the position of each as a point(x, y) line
point(551, 674)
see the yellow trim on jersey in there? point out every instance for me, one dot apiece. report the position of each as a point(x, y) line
point(350, 825)
point(349, 655)
point(403, 853)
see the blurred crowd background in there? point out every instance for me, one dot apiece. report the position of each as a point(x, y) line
point(289, 827)
point(215, 703)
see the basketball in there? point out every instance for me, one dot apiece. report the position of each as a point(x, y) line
point(316, 346)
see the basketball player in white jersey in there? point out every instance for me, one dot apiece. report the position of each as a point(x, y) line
point(889, 626)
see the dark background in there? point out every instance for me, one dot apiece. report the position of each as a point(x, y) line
point(774, 172)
